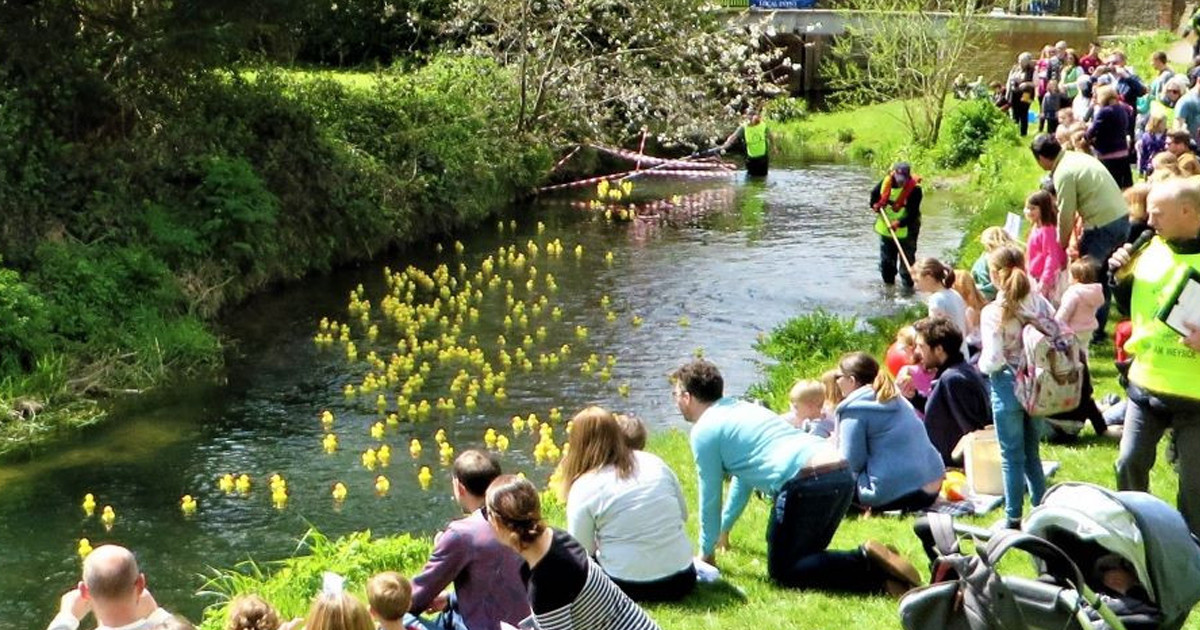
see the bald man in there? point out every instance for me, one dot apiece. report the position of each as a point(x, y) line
point(114, 590)
point(1162, 379)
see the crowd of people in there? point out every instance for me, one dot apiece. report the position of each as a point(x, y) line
point(864, 438)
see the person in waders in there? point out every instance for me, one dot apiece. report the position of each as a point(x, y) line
point(754, 133)
point(896, 202)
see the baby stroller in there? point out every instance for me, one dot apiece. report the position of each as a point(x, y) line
point(1077, 526)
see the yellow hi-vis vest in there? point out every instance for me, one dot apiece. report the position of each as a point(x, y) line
point(892, 214)
point(756, 139)
point(1161, 363)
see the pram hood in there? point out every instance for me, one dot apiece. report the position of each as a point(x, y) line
point(1143, 529)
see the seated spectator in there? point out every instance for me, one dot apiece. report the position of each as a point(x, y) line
point(488, 587)
point(251, 612)
point(634, 430)
point(1179, 143)
point(114, 591)
point(885, 444)
point(338, 611)
point(626, 508)
point(902, 363)
point(833, 395)
point(807, 413)
point(959, 402)
point(389, 596)
point(567, 591)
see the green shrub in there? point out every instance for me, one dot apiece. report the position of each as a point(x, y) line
point(238, 213)
point(968, 128)
point(24, 326)
point(845, 135)
point(786, 109)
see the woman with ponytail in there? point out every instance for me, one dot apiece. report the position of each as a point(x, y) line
point(937, 279)
point(1001, 324)
point(894, 463)
point(567, 591)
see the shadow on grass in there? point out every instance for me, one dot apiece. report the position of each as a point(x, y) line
point(712, 596)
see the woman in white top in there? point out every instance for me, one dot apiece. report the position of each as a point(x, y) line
point(1001, 325)
point(932, 276)
point(626, 508)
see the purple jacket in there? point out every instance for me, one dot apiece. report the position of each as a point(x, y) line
point(487, 576)
point(1108, 130)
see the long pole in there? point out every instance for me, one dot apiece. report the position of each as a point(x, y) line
point(896, 239)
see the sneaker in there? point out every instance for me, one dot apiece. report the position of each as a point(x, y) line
point(895, 566)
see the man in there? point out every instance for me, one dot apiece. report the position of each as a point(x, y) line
point(113, 589)
point(1092, 59)
point(809, 482)
point(754, 133)
point(1179, 143)
point(1166, 362)
point(488, 578)
point(959, 402)
point(897, 204)
point(1162, 72)
point(1187, 110)
point(1084, 187)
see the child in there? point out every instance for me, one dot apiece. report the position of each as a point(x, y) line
point(964, 284)
point(807, 413)
point(937, 279)
point(1163, 166)
point(911, 378)
point(1046, 258)
point(1081, 299)
point(251, 612)
point(993, 238)
point(1139, 217)
point(1152, 142)
point(634, 430)
point(1051, 103)
point(390, 595)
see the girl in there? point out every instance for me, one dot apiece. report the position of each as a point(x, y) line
point(937, 279)
point(626, 509)
point(1139, 218)
point(992, 238)
point(250, 612)
point(1081, 300)
point(1152, 142)
point(964, 285)
point(1047, 259)
point(338, 611)
point(1001, 327)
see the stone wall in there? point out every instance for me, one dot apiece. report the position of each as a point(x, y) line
point(1121, 16)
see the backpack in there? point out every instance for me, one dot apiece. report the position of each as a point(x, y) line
point(1049, 378)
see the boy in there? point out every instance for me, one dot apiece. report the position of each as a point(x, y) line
point(807, 399)
point(389, 595)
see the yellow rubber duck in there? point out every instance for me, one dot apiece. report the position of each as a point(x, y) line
point(279, 498)
point(385, 455)
point(243, 484)
point(327, 416)
point(339, 492)
point(108, 516)
point(277, 482)
point(414, 448)
point(489, 438)
point(502, 443)
point(684, 321)
point(446, 452)
point(89, 505)
point(330, 443)
point(377, 431)
point(187, 504)
point(370, 459)
point(637, 321)
point(608, 258)
point(610, 317)
point(579, 251)
point(518, 425)
point(623, 390)
point(226, 483)
point(382, 485)
point(424, 477)
point(84, 548)
point(581, 332)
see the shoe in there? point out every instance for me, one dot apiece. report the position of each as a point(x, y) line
point(1013, 523)
point(895, 566)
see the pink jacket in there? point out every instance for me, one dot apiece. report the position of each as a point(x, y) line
point(1046, 258)
point(1079, 304)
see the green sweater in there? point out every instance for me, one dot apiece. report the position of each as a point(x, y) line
point(1086, 188)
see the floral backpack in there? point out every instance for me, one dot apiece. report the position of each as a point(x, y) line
point(1049, 378)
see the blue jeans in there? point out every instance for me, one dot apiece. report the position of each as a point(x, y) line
point(1018, 435)
point(448, 619)
point(806, 514)
point(1100, 243)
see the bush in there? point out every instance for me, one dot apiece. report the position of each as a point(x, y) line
point(786, 109)
point(845, 135)
point(968, 128)
point(24, 327)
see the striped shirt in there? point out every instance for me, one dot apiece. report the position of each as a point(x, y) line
point(597, 605)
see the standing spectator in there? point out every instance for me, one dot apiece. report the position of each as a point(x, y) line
point(1187, 110)
point(1085, 187)
point(896, 201)
point(1047, 259)
point(1109, 135)
point(959, 401)
point(1162, 74)
point(1021, 90)
point(1092, 59)
point(1051, 103)
point(626, 509)
point(1081, 300)
point(1017, 432)
point(1071, 73)
point(1152, 142)
point(1162, 379)
point(488, 587)
point(1081, 105)
point(1193, 72)
point(810, 481)
point(1042, 70)
point(114, 590)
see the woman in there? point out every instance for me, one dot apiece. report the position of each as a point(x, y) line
point(567, 591)
point(626, 508)
point(1152, 142)
point(937, 279)
point(1020, 90)
point(1002, 326)
point(1108, 135)
point(1070, 74)
point(885, 444)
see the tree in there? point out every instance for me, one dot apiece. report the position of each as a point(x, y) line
point(604, 69)
point(909, 50)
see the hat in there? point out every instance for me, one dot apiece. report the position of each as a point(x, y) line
point(902, 168)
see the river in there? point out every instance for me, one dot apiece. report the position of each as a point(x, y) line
point(740, 259)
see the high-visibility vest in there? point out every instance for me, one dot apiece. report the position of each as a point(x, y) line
point(756, 139)
point(1161, 363)
point(1166, 111)
point(893, 207)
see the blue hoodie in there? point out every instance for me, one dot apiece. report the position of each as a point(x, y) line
point(886, 446)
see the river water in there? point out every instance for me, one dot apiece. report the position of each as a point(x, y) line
point(737, 260)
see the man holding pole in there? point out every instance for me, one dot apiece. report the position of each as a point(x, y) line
point(754, 133)
point(896, 202)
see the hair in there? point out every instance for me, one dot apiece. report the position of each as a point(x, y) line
point(964, 284)
point(596, 441)
point(833, 393)
point(110, 574)
point(1180, 136)
point(1107, 95)
point(1178, 83)
point(995, 237)
point(701, 379)
point(1189, 168)
point(1007, 266)
point(1043, 205)
point(1135, 196)
point(1045, 146)
point(1085, 270)
point(807, 391)
point(514, 503)
point(251, 612)
point(389, 594)
point(940, 332)
point(475, 470)
point(1156, 123)
point(338, 612)
point(1159, 56)
point(1166, 165)
point(937, 270)
point(1063, 135)
point(175, 622)
point(1080, 141)
point(1065, 116)
point(1072, 57)
point(865, 369)
point(634, 431)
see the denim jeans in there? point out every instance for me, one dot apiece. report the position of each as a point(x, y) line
point(890, 262)
point(806, 514)
point(1018, 435)
point(1147, 417)
point(1100, 243)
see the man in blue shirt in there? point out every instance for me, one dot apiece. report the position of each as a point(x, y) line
point(1187, 110)
point(809, 482)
